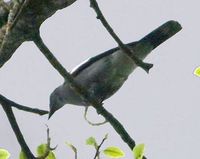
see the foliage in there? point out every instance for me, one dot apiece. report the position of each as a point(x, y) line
point(4, 154)
point(197, 71)
point(138, 151)
point(113, 152)
point(22, 155)
point(91, 141)
point(42, 149)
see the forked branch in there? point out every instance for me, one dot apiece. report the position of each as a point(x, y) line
point(122, 46)
point(8, 102)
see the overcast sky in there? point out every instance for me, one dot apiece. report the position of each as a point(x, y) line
point(160, 109)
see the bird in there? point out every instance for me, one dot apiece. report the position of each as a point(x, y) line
point(104, 74)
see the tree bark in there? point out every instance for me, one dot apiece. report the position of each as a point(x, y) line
point(27, 25)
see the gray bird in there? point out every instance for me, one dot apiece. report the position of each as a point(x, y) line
point(105, 73)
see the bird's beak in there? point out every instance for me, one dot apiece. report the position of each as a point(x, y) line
point(51, 112)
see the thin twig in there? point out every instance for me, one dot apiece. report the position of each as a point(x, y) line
point(48, 149)
point(75, 155)
point(74, 149)
point(99, 146)
point(16, 129)
point(91, 123)
point(122, 46)
point(21, 107)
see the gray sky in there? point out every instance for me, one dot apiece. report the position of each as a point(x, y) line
point(160, 109)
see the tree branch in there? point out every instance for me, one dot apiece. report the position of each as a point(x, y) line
point(28, 20)
point(18, 14)
point(21, 107)
point(16, 129)
point(7, 106)
point(63, 72)
point(26, 23)
point(122, 46)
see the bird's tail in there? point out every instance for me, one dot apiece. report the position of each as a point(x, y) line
point(162, 33)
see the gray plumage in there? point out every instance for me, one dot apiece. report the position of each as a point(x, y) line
point(105, 73)
point(101, 75)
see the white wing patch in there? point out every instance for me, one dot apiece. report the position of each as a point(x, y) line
point(79, 65)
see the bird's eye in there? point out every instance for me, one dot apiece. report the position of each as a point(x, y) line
point(60, 98)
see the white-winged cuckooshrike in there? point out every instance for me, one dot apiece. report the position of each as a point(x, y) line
point(105, 73)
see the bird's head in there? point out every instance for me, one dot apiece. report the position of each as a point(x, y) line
point(56, 101)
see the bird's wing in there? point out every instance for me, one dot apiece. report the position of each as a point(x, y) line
point(92, 60)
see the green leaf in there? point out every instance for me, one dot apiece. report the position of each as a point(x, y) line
point(197, 71)
point(51, 155)
point(22, 155)
point(138, 151)
point(41, 150)
point(4, 154)
point(113, 152)
point(91, 141)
